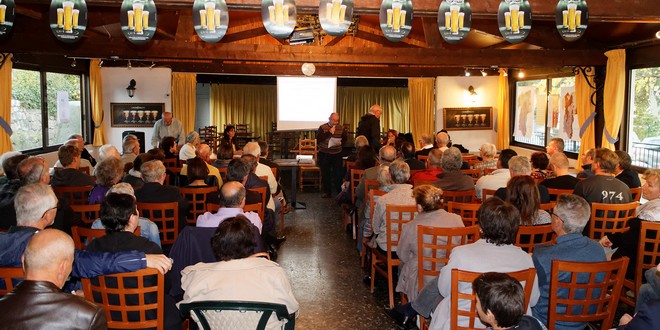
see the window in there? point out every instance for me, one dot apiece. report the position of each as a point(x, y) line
point(644, 121)
point(46, 108)
point(545, 109)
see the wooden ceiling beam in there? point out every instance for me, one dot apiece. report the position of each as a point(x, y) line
point(642, 11)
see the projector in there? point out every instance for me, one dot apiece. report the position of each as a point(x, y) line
point(302, 36)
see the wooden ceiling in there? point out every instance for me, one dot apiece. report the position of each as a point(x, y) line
point(248, 49)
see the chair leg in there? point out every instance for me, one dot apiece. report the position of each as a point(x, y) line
point(353, 216)
point(390, 285)
point(282, 221)
point(373, 272)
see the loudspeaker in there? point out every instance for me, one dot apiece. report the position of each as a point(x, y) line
point(140, 136)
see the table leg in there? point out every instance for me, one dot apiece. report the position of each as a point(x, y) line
point(294, 189)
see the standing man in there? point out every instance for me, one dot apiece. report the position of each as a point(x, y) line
point(330, 138)
point(167, 126)
point(369, 126)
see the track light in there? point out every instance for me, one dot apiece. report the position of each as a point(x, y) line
point(152, 65)
point(467, 73)
point(483, 73)
point(521, 74)
point(129, 66)
point(73, 64)
point(101, 64)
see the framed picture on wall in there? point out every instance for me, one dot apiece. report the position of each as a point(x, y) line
point(136, 114)
point(458, 119)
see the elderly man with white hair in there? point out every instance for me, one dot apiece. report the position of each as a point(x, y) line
point(153, 190)
point(520, 165)
point(488, 160)
point(167, 126)
point(131, 148)
point(426, 140)
point(442, 140)
point(189, 149)
point(204, 153)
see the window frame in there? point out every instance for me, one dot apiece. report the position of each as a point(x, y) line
point(626, 129)
point(513, 80)
point(85, 107)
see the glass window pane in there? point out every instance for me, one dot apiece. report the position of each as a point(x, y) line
point(531, 105)
point(562, 117)
point(64, 114)
point(644, 129)
point(26, 110)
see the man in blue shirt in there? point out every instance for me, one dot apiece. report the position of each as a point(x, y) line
point(569, 217)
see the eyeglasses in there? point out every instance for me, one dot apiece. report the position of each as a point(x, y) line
point(558, 217)
point(52, 208)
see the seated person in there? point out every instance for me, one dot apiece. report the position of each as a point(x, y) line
point(390, 140)
point(254, 181)
point(197, 176)
point(108, 151)
point(408, 154)
point(522, 192)
point(108, 173)
point(131, 148)
point(153, 190)
point(232, 197)
point(561, 179)
point(649, 292)
point(9, 189)
point(426, 141)
point(38, 302)
point(431, 214)
point(539, 162)
point(148, 229)
point(225, 155)
point(452, 179)
point(360, 141)
point(69, 157)
point(487, 152)
point(229, 140)
point(134, 176)
point(433, 167)
point(168, 146)
point(498, 178)
point(85, 154)
point(520, 165)
point(647, 317)
point(204, 153)
point(500, 303)
point(84, 162)
point(366, 158)
point(234, 275)
point(623, 171)
point(587, 161)
point(189, 149)
point(591, 189)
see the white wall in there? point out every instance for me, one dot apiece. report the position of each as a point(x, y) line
point(152, 86)
point(451, 93)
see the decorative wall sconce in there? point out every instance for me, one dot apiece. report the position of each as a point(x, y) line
point(472, 95)
point(131, 88)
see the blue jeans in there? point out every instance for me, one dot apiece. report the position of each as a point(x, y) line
point(428, 299)
point(650, 290)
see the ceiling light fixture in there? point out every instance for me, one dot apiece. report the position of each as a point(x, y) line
point(129, 66)
point(521, 74)
point(101, 63)
point(657, 34)
point(483, 73)
point(73, 64)
point(467, 73)
point(153, 64)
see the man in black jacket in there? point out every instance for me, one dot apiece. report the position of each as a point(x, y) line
point(369, 126)
point(153, 190)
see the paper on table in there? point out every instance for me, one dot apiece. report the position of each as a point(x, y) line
point(334, 142)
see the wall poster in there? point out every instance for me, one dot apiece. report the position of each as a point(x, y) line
point(525, 104)
point(135, 114)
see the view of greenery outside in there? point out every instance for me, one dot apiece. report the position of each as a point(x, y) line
point(541, 109)
point(644, 123)
point(27, 100)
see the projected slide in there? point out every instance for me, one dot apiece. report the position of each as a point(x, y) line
point(304, 103)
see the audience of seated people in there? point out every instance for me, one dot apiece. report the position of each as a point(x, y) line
point(80, 145)
point(592, 188)
point(560, 179)
point(520, 165)
point(522, 192)
point(498, 178)
point(451, 178)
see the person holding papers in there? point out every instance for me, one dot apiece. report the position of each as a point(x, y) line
point(330, 138)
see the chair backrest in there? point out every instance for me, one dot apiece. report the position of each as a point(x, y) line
point(636, 194)
point(274, 170)
point(597, 286)
point(422, 158)
point(196, 198)
point(88, 213)
point(487, 193)
point(467, 211)
point(434, 247)
point(262, 191)
point(356, 175)
point(78, 195)
point(396, 216)
point(259, 208)
point(369, 185)
point(556, 192)
point(529, 236)
point(212, 207)
point(648, 253)
point(166, 216)
point(171, 163)
point(9, 277)
point(84, 169)
point(422, 182)
point(307, 147)
point(548, 207)
point(610, 218)
point(83, 236)
point(264, 177)
point(223, 173)
point(526, 277)
point(474, 174)
point(349, 164)
point(466, 196)
point(136, 296)
point(373, 197)
point(240, 314)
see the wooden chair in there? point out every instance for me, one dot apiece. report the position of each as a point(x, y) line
point(259, 208)
point(74, 195)
point(263, 191)
point(173, 176)
point(636, 194)
point(264, 177)
point(467, 196)
point(395, 217)
point(212, 207)
point(474, 174)
point(166, 216)
point(274, 170)
point(487, 193)
point(348, 165)
point(308, 147)
point(116, 294)
point(467, 211)
point(171, 163)
point(355, 177)
point(83, 236)
point(423, 158)
point(597, 284)
point(556, 192)
point(417, 183)
point(9, 277)
point(489, 170)
point(648, 256)
point(461, 277)
point(238, 314)
point(434, 247)
point(610, 218)
point(223, 173)
point(88, 213)
point(529, 236)
point(373, 196)
point(196, 198)
point(548, 207)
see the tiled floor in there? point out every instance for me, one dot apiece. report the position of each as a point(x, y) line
point(324, 268)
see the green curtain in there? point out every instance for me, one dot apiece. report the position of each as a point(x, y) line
point(255, 105)
point(354, 102)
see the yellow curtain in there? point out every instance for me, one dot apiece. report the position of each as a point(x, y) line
point(613, 100)
point(96, 97)
point(422, 104)
point(503, 134)
point(354, 102)
point(5, 104)
point(586, 112)
point(184, 95)
point(255, 105)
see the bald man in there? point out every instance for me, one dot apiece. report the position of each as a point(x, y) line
point(232, 196)
point(330, 138)
point(369, 126)
point(38, 302)
point(442, 140)
point(204, 152)
point(168, 126)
